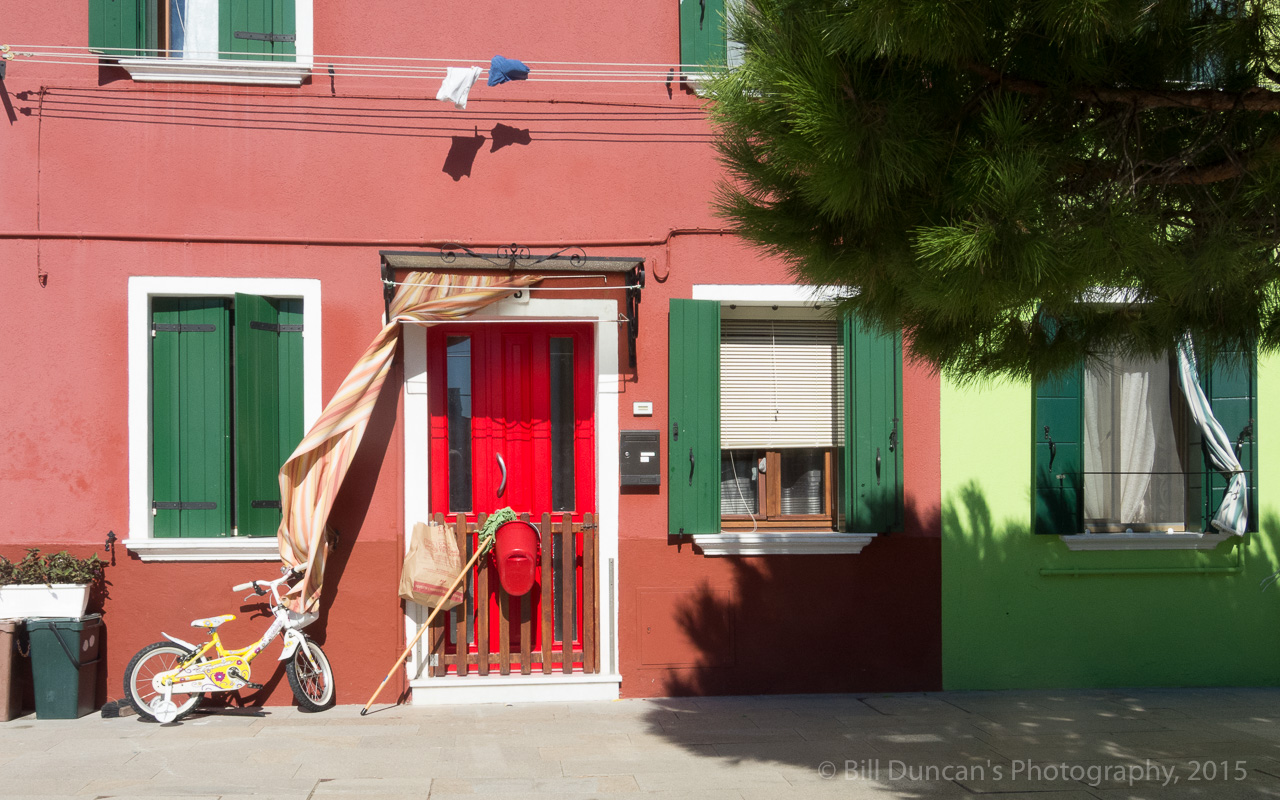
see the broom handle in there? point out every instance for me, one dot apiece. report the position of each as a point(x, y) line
point(423, 629)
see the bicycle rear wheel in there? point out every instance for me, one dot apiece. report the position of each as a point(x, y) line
point(139, 687)
point(312, 685)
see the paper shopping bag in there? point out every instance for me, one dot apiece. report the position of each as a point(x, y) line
point(431, 566)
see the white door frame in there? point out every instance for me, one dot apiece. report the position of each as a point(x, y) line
point(417, 506)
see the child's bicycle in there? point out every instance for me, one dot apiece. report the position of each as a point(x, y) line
point(164, 669)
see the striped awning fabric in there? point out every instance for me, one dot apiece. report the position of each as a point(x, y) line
point(310, 479)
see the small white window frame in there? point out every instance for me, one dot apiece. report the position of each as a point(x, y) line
point(774, 542)
point(233, 70)
point(140, 538)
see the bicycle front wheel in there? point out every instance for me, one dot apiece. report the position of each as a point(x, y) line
point(312, 685)
point(139, 687)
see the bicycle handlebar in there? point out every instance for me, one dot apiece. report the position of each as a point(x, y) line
point(298, 570)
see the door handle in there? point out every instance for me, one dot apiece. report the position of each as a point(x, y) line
point(877, 465)
point(502, 465)
point(690, 466)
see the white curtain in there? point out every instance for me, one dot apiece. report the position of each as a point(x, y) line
point(1133, 467)
point(1233, 515)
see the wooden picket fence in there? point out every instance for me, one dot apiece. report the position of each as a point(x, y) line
point(461, 641)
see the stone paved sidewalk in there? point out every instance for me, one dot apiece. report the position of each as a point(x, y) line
point(1046, 745)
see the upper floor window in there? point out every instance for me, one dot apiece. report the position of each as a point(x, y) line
point(704, 36)
point(205, 41)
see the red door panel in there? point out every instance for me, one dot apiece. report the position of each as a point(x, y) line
point(513, 424)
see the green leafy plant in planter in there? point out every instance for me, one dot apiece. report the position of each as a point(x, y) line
point(52, 585)
point(51, 568)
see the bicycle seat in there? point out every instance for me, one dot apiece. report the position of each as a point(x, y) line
point(212, 622)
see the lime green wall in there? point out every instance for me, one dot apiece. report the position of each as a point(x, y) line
point(1005, 625)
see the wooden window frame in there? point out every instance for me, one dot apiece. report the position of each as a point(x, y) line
point(769, 487)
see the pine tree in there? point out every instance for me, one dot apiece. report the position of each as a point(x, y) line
point(1018, 185)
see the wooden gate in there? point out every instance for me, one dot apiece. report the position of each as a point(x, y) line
point(555, 627)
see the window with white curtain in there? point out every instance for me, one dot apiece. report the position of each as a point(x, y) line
point(780, 418)
point(1137, 440)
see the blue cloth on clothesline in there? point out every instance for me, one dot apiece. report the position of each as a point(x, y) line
point(503, 69)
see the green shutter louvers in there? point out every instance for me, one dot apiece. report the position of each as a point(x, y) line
point(268, 409)
point(1057, 436)
point(702, 34)
point(190, 417)
point(693, 431)
point(122, 28)
point(257, 29)
point(872, 458)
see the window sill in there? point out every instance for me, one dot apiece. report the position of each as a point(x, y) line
point(266, 548)
point(1153, 540)
point(230, 71)
point(729, 543)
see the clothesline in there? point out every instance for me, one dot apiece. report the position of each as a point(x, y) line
point(37, 56)
point(532, 288)
point(320, 61)
point(177, 66)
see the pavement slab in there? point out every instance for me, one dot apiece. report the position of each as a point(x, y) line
point(1124, 744)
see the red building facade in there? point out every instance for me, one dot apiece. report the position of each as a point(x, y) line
point(312, 178)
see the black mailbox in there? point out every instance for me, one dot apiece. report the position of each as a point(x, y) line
point(639, 453)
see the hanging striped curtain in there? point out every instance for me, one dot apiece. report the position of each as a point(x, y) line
point(1233, 514)
point(310, 479)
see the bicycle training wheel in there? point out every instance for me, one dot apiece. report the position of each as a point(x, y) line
point(143, 667)
point(312, 687)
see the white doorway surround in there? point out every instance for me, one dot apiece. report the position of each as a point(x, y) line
point(495, 688)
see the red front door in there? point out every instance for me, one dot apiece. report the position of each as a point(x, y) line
point(513, 424)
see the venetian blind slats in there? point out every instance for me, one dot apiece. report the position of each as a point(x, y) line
point(777, 383)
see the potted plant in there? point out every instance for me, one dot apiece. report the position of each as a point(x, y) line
point(52, 585)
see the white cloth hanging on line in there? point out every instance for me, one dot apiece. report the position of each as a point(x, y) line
point(457, 85)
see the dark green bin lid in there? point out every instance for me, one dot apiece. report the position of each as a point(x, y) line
point(65, 623)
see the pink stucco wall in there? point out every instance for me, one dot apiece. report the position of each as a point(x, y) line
point(204, 175)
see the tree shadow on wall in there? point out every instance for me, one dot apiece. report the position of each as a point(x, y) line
point(812, 624)
point(794, 607)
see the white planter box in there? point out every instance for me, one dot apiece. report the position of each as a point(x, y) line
point(58, 600)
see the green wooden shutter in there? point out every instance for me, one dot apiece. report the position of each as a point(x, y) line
point(191, 417)
point(872, 457)
point(270, 17)
point(1232, 388)
point(693, 436)
point(702, 35)
point(1057, 436)
point(268, 410)
point(122, 28)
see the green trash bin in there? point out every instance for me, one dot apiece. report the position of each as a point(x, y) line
point(64, 665)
